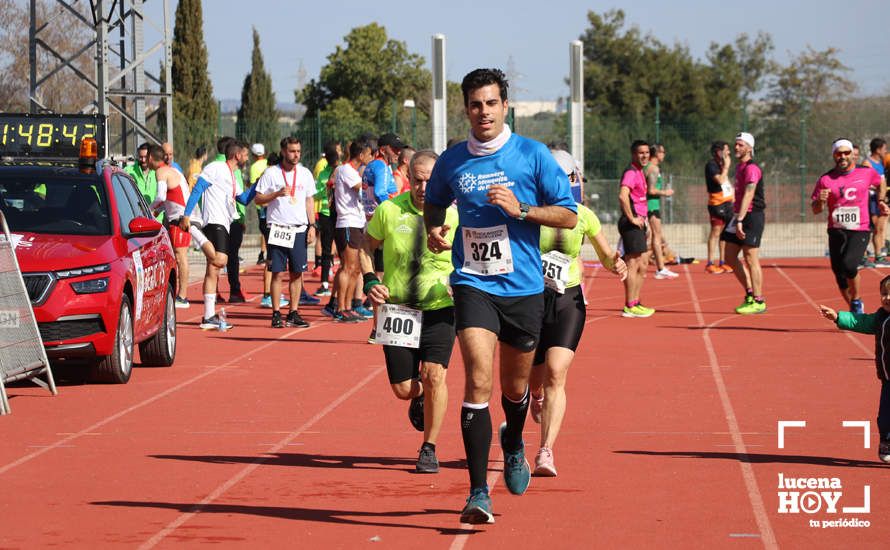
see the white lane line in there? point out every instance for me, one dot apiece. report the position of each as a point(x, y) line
point(247, 470)
point(760, 515)
point(107, 420)
point(810, 301)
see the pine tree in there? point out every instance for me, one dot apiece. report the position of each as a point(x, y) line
point(195, 111)
point(257, 117)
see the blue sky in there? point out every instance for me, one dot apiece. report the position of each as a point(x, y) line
point(535, 34)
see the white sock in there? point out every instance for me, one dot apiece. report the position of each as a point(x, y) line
point(209, 305)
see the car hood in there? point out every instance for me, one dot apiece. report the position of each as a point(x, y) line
point(42, 252)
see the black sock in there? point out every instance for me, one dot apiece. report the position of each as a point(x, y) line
point(515, 414)
point(428, 445)
point(475, 426)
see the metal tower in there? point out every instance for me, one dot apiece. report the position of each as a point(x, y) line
point(120, 76)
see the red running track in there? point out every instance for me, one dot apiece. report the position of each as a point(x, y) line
point(291, 438)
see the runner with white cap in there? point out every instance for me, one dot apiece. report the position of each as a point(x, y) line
point(745, 230)
point(845, 191)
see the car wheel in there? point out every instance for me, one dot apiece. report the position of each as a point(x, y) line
point(160, 349)
point(117, 367)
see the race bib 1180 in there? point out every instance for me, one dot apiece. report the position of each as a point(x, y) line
point(846, 217)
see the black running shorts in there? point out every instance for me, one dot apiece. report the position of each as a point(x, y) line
point(516, 320)
point(846, 248)
point(218, 235)
point(436, 343)
point(753, 224)
point(633, 238)
point(353, 237)
point(564, 317)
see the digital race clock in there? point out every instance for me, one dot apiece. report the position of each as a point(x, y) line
point(49, 135)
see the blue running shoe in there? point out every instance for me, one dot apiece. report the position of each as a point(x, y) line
point(266, 302)
point(307, 300)
point(363, 311)
point(517, 474)
point(329, 310)
point(478, 508)
point(856, 306)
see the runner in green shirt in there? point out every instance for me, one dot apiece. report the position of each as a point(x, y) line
point(415, 278)
point(145, 178)
point(565, 314)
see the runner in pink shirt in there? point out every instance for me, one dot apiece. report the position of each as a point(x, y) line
point(845, 190)
point(744, 232)
point(632, 228)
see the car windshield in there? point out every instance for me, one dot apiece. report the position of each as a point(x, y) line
point(65, 205)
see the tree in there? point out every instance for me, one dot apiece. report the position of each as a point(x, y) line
point(257, 118)
point(810, 78)
point(64, 92)
point(194, 110)
point(366, 78)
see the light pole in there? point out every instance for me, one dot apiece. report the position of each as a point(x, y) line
point(409, 103)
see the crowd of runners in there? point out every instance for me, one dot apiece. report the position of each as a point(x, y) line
point(481, 244)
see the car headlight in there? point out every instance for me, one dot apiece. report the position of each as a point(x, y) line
point(90, 287)
point(91, 270)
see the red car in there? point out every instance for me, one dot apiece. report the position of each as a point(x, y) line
point(99, 269)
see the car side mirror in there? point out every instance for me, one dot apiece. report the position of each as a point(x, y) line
point(144, 227)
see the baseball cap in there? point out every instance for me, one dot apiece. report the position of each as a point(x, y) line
point(564, 160)
point(392, 140)
point(258, 149)
point(746, 138)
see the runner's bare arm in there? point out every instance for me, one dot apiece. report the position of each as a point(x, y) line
point(311, 219)
point(652, 182)
point(551, 216)
point(624, 201)
point(746, 200)
point(819, 204)
point(434, 221)
point(882, 190)
point(378, 293)
point(266, 198)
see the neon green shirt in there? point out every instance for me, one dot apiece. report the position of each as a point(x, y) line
point(322, 203)
point(257, 169)
point(415, 276)
point(569, 241)
point(146, 182)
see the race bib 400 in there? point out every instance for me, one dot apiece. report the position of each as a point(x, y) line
point(398, 325)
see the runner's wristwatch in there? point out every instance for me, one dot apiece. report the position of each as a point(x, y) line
point(523, 210)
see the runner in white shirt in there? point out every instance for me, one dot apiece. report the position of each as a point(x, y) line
point(217, 185)
point(287, 191)
point(349, 233)
point(173, 193)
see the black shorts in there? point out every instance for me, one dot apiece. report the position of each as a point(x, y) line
point(846, 248)
point(721, 214)
point(353, 237)
point(264, 227)
point(564, 318)
point(378, 260)
point(753, 224)
point(218, 235)
point(515, 319)
point(436, 343)
point(292, 259)
point(632, 237)
point(873, 208)
point(654, 214)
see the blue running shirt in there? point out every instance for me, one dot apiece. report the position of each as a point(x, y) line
point(528, 169)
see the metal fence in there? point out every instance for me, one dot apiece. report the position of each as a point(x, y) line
point(793, 150)
point(21, 350)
